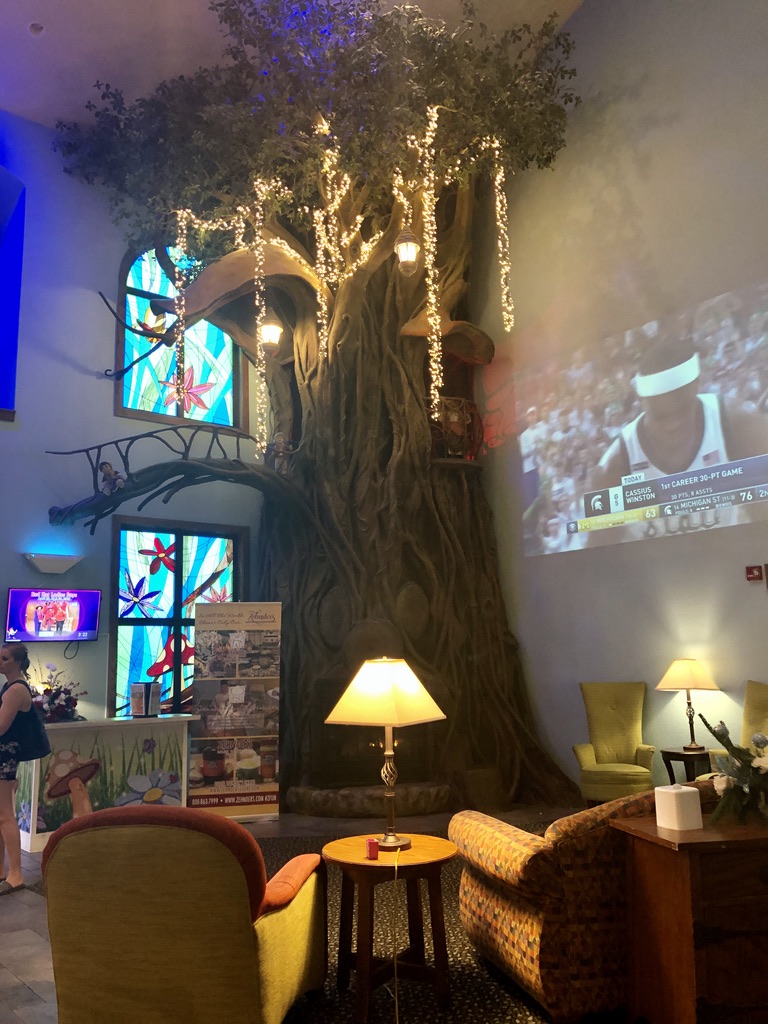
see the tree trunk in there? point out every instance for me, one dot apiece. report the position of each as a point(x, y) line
point(398, 555)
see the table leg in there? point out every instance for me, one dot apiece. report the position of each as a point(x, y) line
point(364, 952)
point(437, 918)
point(345, 933)
point(670, 770)
point(415, 920)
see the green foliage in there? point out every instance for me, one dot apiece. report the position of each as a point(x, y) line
point(199, 141)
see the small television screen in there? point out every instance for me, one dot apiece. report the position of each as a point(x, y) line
point(52, 615)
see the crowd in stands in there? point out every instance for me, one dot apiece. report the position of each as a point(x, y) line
point(568, 416)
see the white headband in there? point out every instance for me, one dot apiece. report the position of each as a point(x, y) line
point(648, 385)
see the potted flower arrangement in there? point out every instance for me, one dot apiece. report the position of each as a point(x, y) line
point(55, 697)
point(742, 784)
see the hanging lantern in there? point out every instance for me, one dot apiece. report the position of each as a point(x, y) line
point(407, 248)
point(270, 330)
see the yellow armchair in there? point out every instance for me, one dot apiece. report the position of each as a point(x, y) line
point(161, 914)
point(615, 762)
point(754, 718)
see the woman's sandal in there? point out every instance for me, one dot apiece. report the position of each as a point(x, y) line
point(6, 887)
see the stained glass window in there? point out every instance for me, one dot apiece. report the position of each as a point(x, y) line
point(211, 372)
point(162, 571)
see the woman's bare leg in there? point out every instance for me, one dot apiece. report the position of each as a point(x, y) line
point(9, 830)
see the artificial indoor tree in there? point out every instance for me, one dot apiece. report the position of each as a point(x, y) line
point(288, 173)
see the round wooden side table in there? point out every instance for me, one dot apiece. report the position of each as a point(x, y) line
point(424, 859)
point(690, 759)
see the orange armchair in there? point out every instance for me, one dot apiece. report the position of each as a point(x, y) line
point(161, 914)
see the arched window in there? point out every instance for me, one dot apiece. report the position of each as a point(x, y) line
point(212, 374)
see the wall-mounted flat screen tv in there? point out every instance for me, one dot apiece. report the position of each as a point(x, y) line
point(52, 615)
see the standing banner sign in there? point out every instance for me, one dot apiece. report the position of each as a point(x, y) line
point(234, 768)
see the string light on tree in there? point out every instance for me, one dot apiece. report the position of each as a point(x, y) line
point(236, 225)
point(502, 234)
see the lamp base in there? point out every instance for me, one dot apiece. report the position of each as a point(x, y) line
point(394, 842)
point(694, 748)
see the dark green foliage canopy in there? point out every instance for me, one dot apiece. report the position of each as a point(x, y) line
point(198, 141)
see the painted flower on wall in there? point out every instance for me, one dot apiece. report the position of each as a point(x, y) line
point(25, 816)
point(159, 787)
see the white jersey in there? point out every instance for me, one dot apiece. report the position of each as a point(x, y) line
point(711, 451)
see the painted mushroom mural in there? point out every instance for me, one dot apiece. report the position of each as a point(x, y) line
point(68, 775)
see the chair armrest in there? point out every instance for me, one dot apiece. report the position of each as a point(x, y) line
point(585, 755)
point(644, 756)
point(506, 854)
point(285, 883)
point(714, 753)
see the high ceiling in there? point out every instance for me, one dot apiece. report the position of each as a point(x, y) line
point(53, 51)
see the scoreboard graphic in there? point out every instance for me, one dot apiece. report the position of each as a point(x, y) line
point(637, 500)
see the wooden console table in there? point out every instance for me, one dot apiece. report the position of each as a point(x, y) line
point(698, 918)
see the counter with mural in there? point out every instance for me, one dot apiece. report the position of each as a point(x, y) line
point(113, 762)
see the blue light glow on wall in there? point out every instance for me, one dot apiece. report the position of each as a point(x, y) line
point(12, 196)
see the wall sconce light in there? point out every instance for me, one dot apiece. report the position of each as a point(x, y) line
point(407, 248)
point(270, 331)
point(52, 564)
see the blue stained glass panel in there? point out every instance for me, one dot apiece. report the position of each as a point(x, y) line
point(142, 388)
point(139, 556)
point(209, 571)
point(138, 648)
point(208, 353)
point(147, 275)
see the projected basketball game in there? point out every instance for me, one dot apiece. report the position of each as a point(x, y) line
point(654, 432)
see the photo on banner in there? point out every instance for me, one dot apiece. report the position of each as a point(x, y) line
point(234, 758)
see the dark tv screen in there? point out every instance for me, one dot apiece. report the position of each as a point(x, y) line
point(51, 616)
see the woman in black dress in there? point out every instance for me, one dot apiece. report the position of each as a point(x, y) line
point(22, 738)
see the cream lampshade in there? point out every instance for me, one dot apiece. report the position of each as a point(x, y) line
point(687, 674)
point(386, 692)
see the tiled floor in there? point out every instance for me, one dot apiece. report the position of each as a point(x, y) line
point(26, 976)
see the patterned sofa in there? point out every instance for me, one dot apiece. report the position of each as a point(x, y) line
point(551, 911)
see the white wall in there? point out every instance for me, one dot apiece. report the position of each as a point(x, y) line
point(63, 402)
point(658, 202)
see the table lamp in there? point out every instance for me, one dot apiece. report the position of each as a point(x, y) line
point(687, 674)
point(386, 692)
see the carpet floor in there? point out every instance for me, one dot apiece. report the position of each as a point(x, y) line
point(480, 994)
